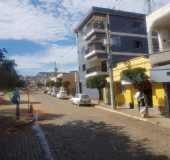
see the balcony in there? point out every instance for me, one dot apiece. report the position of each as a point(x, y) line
point(98, 37)
point(161, 58)
point(96, 50)
point(95, 25)
point(95, 71)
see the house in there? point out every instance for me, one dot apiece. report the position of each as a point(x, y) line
point(125, 91)
point(158, 22)
point(70, 77)
point(128, 35)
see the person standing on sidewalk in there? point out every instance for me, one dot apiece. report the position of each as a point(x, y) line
point(16, 100)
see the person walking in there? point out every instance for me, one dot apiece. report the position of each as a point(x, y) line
point(16, 100)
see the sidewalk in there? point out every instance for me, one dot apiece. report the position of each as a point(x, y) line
point(154, 117)
point(17, 140)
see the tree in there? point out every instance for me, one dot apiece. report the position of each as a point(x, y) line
point(137, 76)
point(2, 54)
point(58, 84)
point(98, 82)
point(50, 83)
point(140, 81)
point(40, 84)
point(65, 84)
point(9, 77)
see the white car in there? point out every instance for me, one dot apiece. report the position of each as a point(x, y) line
point(49, 92)
point(53, 93)
point(81, 99)
point(62, 95)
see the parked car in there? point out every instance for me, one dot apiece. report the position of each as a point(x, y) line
point(53, 93)
point(62, 95)
point(81, 99)
point(49, 92)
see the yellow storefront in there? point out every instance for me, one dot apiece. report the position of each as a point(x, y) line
point(124, 91)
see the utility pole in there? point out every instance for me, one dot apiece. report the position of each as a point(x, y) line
point(55, 68)
point(109, 61)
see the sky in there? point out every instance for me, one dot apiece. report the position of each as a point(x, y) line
point(38, 33)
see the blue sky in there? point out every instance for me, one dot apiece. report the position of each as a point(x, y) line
point(38, 33)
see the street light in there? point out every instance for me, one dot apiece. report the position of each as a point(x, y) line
point(108, 43)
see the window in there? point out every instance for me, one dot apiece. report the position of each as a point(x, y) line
point(83, 67)
point(116, 41)
point(138, 44)
point(136, 24)
point(80, 87)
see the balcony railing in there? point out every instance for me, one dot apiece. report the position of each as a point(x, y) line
point(160, 58)
point(98, 47)
point(96, 69)
point(97, 26)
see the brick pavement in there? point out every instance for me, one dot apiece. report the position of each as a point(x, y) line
point(17, 140)
point(88, 133)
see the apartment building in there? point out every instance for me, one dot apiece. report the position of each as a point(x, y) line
point(159, 22)
point(128, 36)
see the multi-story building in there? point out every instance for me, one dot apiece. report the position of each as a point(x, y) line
point(127, 31)
point(159, 22)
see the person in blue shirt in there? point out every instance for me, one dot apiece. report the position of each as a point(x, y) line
point(16, 100)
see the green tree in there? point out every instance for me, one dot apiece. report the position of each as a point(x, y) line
point(140, 80)
point(137, 77)
point(66, 84)
point(50, 83)
point(40, 84)
point(98, 82)
point(58, 84)
point(8, 77)
point(2, 54)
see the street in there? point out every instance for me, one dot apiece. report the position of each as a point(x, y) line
point(81, 133)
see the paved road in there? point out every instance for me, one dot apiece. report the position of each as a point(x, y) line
point(86, 133)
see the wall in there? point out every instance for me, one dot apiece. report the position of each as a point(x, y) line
point(81, 60)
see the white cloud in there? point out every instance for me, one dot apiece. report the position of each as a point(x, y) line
point(61, 55)
point(53, 19)
point(22, 20)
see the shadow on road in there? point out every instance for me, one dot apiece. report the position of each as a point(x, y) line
point(80, 140)
point(17, 141)
point(46, 116)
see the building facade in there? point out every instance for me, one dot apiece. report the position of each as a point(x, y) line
point(159, 22)
point(128, 36)
point(125, 91)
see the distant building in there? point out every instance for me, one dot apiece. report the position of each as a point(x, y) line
point(129, 39)
point(70, 77)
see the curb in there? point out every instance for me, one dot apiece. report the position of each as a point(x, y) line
point(132, 117)
point(124, 114)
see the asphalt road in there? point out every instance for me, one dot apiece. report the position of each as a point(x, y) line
point(87, 133)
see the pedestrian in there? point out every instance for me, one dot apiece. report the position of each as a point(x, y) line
point(16, 100)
